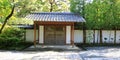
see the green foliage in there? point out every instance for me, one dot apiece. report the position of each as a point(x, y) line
point(19, 21)
point(24, 7)
point(99, 14)
point(11, 36)
point(5, 8)
point(13, 39)
point(77, 6)
point(58, 6)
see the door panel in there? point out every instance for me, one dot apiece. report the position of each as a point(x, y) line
point(60, 37)
point(54, 35)
point(49, 34)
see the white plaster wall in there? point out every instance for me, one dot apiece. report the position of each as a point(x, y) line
point(118, 36)
point(89, 36)
point(41, 34)
point(108, 36)
point(68, 34)
point(78, 36)
point(97, 36)
point(30, 35)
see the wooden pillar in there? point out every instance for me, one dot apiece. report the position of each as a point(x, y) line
point(25, 35)
point(34, 34)
point(101, 36)
point(94, 36)
point(115, 36)
point(72, 34)
point(84, 33)
point(84, 36)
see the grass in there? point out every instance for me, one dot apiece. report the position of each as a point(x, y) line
point(20, 46)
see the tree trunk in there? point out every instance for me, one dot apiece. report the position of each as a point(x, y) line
point(7, 18)
point(51, 7)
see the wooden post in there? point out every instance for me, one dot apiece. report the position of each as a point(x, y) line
point(94, 36)
point(101, 36)
point(73, 35)
point(84, 33)
point(34, 34)
point(25, 35)
point(115, 36)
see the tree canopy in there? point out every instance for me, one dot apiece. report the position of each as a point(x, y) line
point(13, 11)
point(99, 14)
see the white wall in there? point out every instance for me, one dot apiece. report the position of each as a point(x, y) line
point(78, 36)
point(118, 36)
point(30, 35)
point(108, 36)
point(97, 36)
point(68, 34)
point(41, 34)
point(89, 36)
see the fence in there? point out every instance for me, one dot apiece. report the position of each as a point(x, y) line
point(91, 36)
point(95, 36)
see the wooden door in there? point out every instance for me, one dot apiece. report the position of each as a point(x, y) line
point(54, 35)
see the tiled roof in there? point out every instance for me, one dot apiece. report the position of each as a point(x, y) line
point(55, 17)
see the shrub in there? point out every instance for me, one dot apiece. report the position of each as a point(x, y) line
point(11, 36)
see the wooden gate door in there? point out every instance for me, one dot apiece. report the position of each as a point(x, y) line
point(54, 35)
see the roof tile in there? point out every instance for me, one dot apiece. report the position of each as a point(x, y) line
point(55, 16)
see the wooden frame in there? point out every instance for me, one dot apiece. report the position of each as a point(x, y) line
point(34, 34)
point(54, 23)
point(72, 34)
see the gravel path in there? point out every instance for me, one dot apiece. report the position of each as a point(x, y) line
point(92, 53)
point(48, 55)
point(101, 53)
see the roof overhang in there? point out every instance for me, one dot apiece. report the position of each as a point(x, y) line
point(55, 17)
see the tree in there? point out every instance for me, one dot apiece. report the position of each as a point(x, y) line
point(99, 14)
point(9, 15)
point(17, 7)
point(77, 6)
point(54, 5)
point(21, 8)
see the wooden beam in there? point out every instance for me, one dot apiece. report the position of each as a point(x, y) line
point(34, 34)
point(53, 23)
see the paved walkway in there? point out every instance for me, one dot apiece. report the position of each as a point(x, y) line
point(58, 56)
point(49, 55)
point(93, 53)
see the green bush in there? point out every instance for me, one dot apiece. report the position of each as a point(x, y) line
point(11, 36)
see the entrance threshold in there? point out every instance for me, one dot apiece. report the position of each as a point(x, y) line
point(54, 48)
